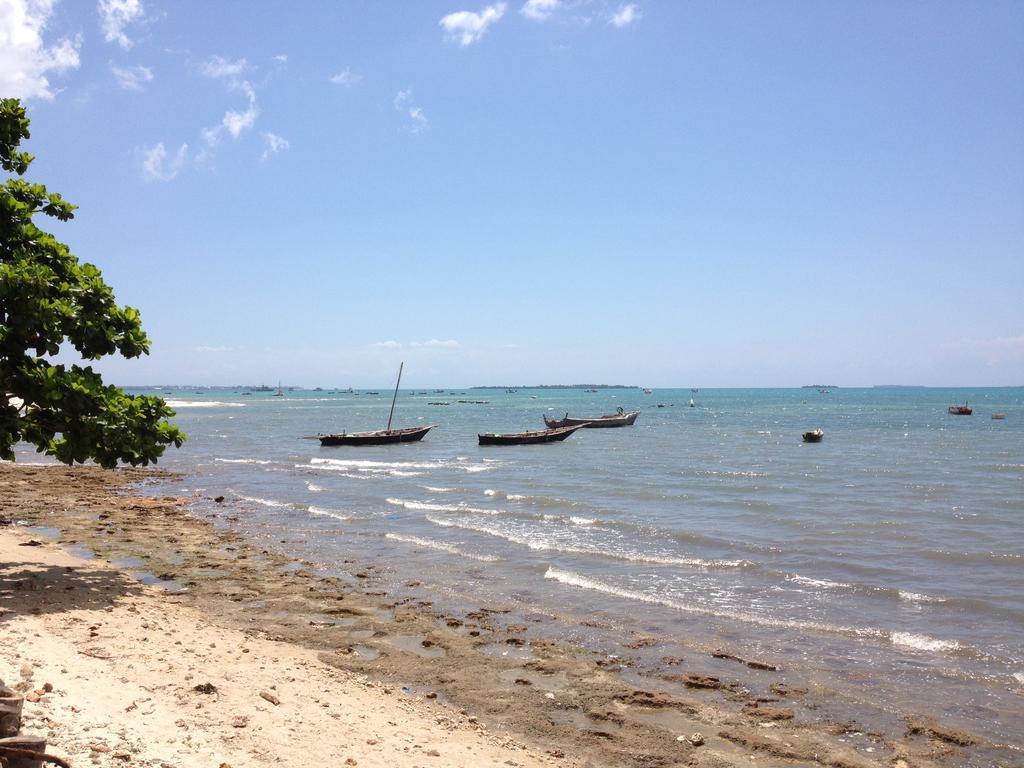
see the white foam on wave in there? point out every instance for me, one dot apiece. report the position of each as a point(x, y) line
point(440, 546)
point(543, 545)
point(922, 642)
point(582, 520)
point(202, 404)
point(905, 639)
point(243, 461)
point(360, 464)
point(314, 487)
point(1019, 677)
point(822, 583)
point(437, 489)
point(314, 510)
point(577, 580)
point(917, 597)
point(258, 500)
point(426, 506)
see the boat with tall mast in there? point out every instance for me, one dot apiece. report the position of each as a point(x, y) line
point(380, 436)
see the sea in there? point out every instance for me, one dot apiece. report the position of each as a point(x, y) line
point(884, 564)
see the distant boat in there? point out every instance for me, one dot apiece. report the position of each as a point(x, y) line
point(590, 390)
point(528, 438)
point(998, 416)
point(814, 436)
point(695, 390)
point(647, 391)
point(620, 419)
point(280, 392)
point(961, 410)
point(692, 404)
point(380, 436)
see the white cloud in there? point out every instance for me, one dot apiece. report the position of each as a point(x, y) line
point(132, 78)
point(417, 118)
point(236, 122)
point(467, 27)
point(157, 167)
point(25, 61)
point(213, 350)
point(437, 343)
point(626, 15)
point(219, 68)
point(346, 78)
point(115, 16)
point(274, 144)
point(281, 57)
point(390, 344)
point(233, 122)
point(539, 10)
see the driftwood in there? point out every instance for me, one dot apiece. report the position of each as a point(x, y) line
point(13, 757)
point(11, 704)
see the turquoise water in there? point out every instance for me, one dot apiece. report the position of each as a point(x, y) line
point(886, 562)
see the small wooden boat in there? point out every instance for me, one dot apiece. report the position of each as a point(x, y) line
point(814, 436)
point(998, 416)
point(528, 438)
point(961, 410)
point(618, 419)
point(385, 436)
point(379, 437)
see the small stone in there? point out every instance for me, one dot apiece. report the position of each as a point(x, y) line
point(48, 687)
point(99, 748)
point(240, 721)
point(270, 697)
point(433, 753)
point(697, 739)
point(350, 761)
point(26, 671)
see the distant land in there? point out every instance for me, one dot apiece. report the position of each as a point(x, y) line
point(558, 386)
point(819, 386)
point(898, 386)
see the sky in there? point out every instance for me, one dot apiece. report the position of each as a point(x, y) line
point(659, 193)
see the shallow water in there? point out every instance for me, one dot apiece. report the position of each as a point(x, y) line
point(886, 561)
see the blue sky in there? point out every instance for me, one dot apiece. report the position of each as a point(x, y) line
point(656, 193)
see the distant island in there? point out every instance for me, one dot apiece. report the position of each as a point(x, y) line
point(819, 386)
point(557, 386)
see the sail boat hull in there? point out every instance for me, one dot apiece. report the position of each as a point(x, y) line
point(379, 437)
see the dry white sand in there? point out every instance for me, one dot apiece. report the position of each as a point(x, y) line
point(124, 660)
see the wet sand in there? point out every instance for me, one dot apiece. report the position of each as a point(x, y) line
point(482, 669)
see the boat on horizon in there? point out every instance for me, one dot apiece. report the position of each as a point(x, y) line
point(619, 419)
point(381, 436)
point(960, 410)
point(814, 436)
point(528, 438)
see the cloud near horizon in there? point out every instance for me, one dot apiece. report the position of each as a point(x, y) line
point(25, 60)
point(429, 344)
point(467, 27)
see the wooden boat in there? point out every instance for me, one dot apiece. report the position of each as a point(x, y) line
point(961, 410)
point(385, 436)
point(619, 419)
point(814, 436)
point(528, 438)
point(379, 437)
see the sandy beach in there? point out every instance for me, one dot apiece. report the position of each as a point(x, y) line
point(168, 640)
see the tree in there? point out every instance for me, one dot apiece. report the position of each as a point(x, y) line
point(47, 299)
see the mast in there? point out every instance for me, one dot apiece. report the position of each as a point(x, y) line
point(400, 365)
